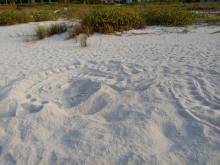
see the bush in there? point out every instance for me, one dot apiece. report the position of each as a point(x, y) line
point(169, 17)
point(109, 20)
point(43, 16)
point(10, 17)
point(93, 1)
point(41, 32)
point(56, 29)
point(212, 20)
point(202, 6)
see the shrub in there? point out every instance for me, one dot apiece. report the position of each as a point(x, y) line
point(109, 20)
point(77, 12)
point(212, 20)
point(56, 29)
point(41, 32)
point(169, 17)
point(202, 6)
point(43, 16)
point(10, 17)
point(93, 1)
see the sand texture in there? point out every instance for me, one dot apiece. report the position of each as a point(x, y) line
point(144, 97)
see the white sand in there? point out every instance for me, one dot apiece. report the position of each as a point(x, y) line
point(131, 99)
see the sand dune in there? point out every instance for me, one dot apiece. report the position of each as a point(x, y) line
point(147, 96)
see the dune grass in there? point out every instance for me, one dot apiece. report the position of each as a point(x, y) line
point(171, 16)
point(43, 16)
point(10, 17)
point(43, 32)
point(56, 29)
point(110, 18)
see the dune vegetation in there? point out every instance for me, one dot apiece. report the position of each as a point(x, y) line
point(42, 32)
point(111, 18)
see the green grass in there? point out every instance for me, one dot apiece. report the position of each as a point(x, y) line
point(56, 29)
point(169, 17)
point(214, 6)
point(212, 20)
point(43, 32)
point(43, 16)
point(10, 17)
point(109, 20)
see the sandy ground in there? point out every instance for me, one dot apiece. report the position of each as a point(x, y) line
point(146, 97)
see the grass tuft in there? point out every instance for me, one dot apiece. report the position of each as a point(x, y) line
point(56, 29)
point(169, 17)
point(10, 17)
point(41, 32)
point(43, 16)
point(109, 20)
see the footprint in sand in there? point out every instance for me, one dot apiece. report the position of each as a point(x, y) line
point(99, 104)
point(79, 91)
point(31, 108)
point(7, 106)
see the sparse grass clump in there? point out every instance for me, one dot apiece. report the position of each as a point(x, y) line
point(212, 20)
point(43, 16)
point(56, 29)
point(213, 6)
point(43, 32)
point(169, 17)
point(10, 17)
point(109, 20)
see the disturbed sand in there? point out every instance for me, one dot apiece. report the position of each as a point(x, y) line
point(147, 96)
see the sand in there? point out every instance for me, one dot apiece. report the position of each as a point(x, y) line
point(148, 96)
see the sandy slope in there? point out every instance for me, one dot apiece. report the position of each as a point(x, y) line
point(146, 97)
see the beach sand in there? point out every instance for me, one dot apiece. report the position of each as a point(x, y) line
point(148, 96)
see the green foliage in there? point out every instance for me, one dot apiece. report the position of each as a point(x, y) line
point(10, 17)
point(109, 20)
point(214, 6)
point(169, 17)
point(41, 32)
point(92, 1)
point(212, 20)
point(78, 12)
point(43, 16)
point(56, 29)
